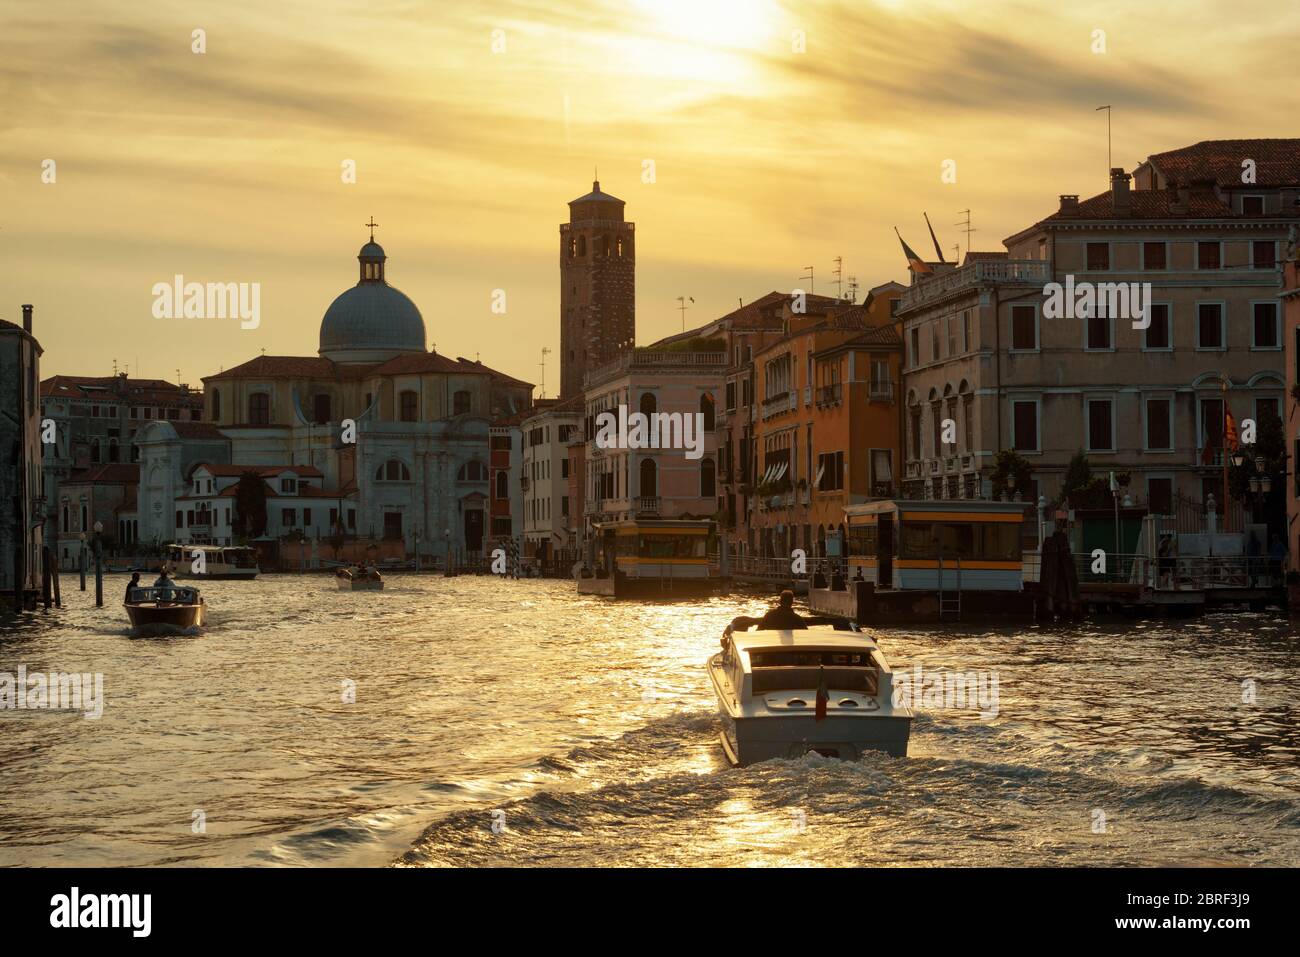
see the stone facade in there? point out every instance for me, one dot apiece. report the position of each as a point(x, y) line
point(21, 482)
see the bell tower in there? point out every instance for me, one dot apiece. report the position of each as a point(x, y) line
point(597, 287)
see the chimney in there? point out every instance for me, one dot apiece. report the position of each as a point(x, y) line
point(1069, 204)
point(27, 319)
point(1121, 201)
point(1181, 201)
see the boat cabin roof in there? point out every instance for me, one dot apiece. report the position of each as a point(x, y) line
point(816, 638)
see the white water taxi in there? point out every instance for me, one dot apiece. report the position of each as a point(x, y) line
point(219, 561)
point(783, 694)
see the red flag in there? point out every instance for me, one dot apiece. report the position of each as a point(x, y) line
point(823, 696)
point(914, 262)
point(1230, 439)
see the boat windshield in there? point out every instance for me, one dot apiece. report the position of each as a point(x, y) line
point(174, 595)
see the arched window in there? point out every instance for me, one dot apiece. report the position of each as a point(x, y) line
point(503, 485)
point(216, 405)
point(409, 406)
point(706, 407)
point(259, 408)
point(708, 479)
point(649, 404)
point(573, 247)
point(320, 408)
point(460, 402)
point(94, 451)
point(474, 471)
point(112, 450)
point(393, 470)
point(649, 479)
point(620, 247)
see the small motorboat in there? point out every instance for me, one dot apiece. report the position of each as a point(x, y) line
point(169, 609)
point(359, 579)
point(826, 688)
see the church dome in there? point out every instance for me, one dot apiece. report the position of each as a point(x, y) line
point(372, 321)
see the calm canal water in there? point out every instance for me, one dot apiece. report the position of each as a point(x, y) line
point(584, 730)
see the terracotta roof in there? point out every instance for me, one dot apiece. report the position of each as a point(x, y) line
point(113, 473)
point(765, 312)
point(194, 430)
point(318, 367)
point(1149, 204)
point(972, 256)
point(1277, 163)
point(875, 336)
point(282, 367)
point(120, 389)
point(237, 470)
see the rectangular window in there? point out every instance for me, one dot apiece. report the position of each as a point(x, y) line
point(1101, 437)
point(1263, 254)
point(1156, 335)
point(1024, 328)
point(1209, 325)
point(1024, 417)
point(1159, 433)
point(1154, 256)
point(1267, 333)
point(1252, 205)
point(1208, 255)
point(1160, 495)
point(916, 347)
point(934, 342)
point(1267, 408)
point(1098, 257)
point(306, 516)
point(951, 322)
point(965, 331)
point(1098, 333)
point(286, 517)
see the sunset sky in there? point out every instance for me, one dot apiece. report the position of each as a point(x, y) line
point(226, 166)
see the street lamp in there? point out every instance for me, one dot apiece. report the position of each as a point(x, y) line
point(1011, 487)
point(99, 566)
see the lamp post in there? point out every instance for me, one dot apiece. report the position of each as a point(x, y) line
point(99, 566)
point(81, 559)
point(1011, 487)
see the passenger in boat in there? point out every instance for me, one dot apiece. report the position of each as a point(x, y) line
point(781, 618)
point(132, 584)
point(164, 582)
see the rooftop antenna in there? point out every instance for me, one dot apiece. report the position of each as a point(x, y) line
point(1108, 159)
point(681, 304)
point(956, 252)
point(812, 283)
point(115, 366)
point(965, 224)
point(839, 277)
point(853, 288)
point(545, 352)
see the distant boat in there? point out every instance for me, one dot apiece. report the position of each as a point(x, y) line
point(167, 610)
point(359, 579)
point(784, 694)
point(235, 562)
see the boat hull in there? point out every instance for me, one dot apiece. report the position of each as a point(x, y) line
point(236, 574)
point(348, 584)
point(747, 739)
point(165, 619)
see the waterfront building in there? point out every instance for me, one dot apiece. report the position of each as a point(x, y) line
point(984, 351)
point(1291, 335)
point(597, 287)
point(96, 419)
point(105, 494)
point(505, 493)
point(678, 378)
point(399, 434)
point(22, 535)
point(550, 531)
point(296, 504)
point(826, 429)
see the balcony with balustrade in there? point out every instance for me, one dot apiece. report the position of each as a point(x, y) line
point(993, 272)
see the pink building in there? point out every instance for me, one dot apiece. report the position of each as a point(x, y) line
point(626, 483)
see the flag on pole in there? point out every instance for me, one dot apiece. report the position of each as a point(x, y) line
point(915, 263)
point(823, 695)
point(1231, 441)
point(934, 239)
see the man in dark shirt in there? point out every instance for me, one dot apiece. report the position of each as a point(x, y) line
point(133, 583)
point(783, 616)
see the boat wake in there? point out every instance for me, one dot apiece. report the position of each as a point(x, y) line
point(971, 794)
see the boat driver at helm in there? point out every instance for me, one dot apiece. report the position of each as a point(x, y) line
point(781, 618)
